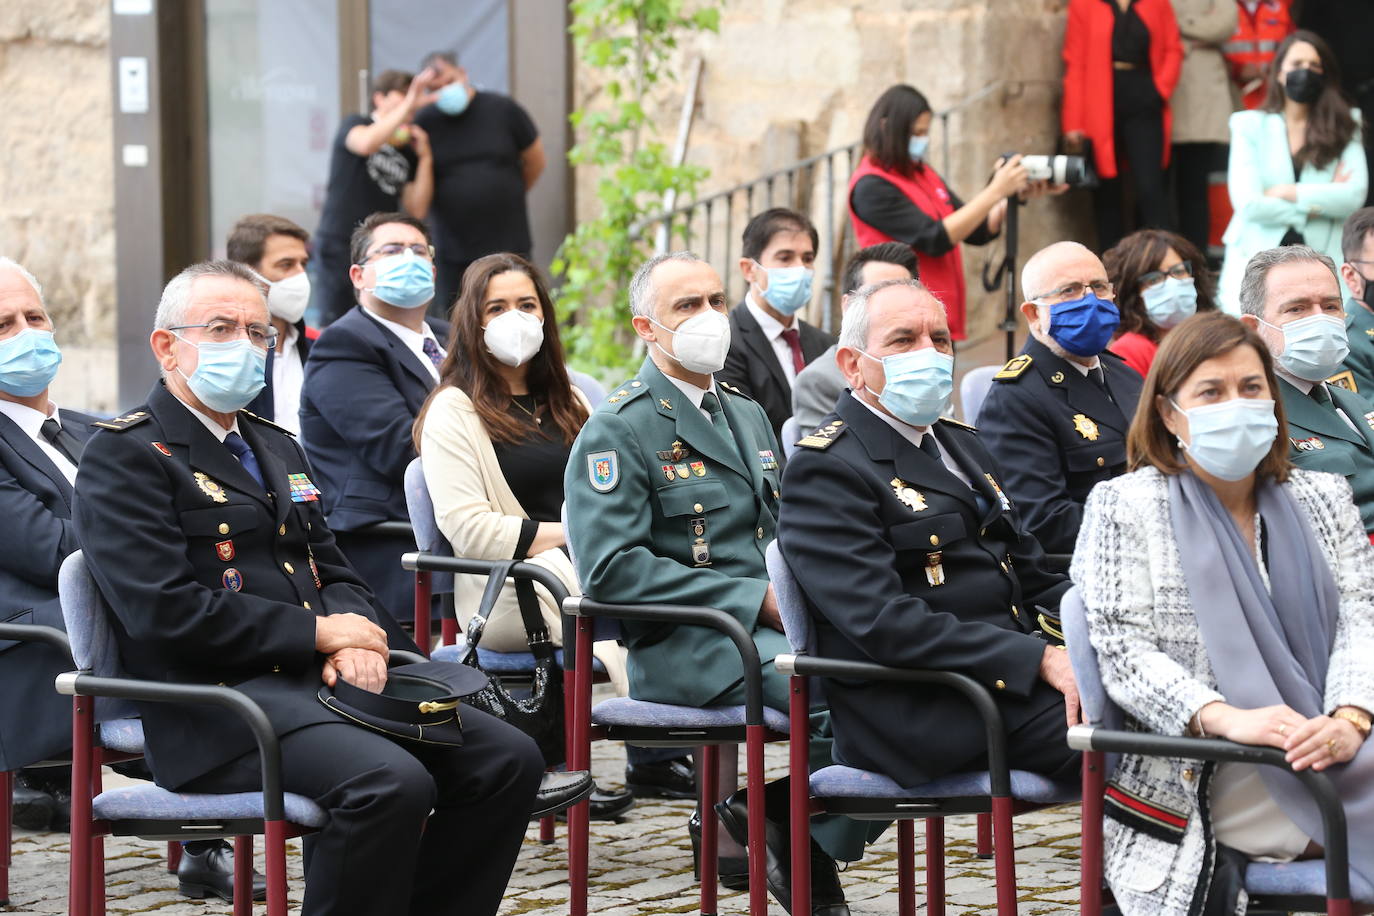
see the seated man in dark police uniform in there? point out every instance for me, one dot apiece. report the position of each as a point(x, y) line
point(935, 568)
point(203, 528)
point(1057, 415)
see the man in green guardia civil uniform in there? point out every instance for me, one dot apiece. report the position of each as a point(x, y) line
point(672, 497)
point(1357, 247)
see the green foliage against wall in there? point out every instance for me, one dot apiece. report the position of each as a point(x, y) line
point(630, 42)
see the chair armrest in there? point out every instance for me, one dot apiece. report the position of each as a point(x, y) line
point(690, 616)
point(393, 528)
point(402, 657)
point(1317, 784)
point(30, 632)
point(76, 683)
point(999, 774)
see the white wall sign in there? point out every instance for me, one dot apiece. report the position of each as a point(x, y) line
point(133, 85)
point(133, 7)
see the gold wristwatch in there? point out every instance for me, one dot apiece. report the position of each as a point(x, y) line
point(1355, 717)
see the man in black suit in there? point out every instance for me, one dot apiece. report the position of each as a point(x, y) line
point(202, 526)
point(367, 376)
point(769, 344)
point(910, 554)
point(275, 248)
point(1057, 415)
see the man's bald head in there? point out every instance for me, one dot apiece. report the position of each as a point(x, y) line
point(1049, 268)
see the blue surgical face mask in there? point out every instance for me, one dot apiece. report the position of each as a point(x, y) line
point(1230, 439)
point(1170, 302)
point(404, 280)
point(789, 288)
point(1084, 326)
point(1313, 348)
point(28, 362)
point(228, 375)
point(916, 148)
point(453, 99)
point(916, 384)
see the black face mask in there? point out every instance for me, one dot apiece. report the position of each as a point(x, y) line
point(1304, 86)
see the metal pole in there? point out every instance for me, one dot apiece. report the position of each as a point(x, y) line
point(364, 102)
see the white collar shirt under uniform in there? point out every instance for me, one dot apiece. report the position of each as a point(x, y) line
point(916, 435)
point(695, 394)
point(1306, 387)
point(31, 422)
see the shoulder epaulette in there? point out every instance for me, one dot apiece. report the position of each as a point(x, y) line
point(1013, 369)
point(630, 389)
point(733, 390)
point(128, 421)
point(959, 423)
point(824, 436)
point(266, 422)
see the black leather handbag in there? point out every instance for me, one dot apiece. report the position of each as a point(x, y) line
point(539, 714)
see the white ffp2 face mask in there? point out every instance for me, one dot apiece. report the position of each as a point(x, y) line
point(513, 337)
point(699, 343)
point(287, 299)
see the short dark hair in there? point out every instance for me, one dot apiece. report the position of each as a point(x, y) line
point(761, 229)
point(392, 81)
point(1357, 229)
point(887, 132)
point(362, 236)
point(439, 57)
point(248, 239)
point(882, 253)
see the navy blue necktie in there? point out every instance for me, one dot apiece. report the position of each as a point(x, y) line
point(240, 450)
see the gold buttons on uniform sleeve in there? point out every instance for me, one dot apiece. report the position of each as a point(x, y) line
point(697, 508)
point(759, 534)
point(282, 531)
point(1101, 462)
point(934, 540)
point(1000, 684)
point(223, 528)
point(290, 570)
point(306, 605)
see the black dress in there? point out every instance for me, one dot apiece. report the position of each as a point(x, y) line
point(533, 468)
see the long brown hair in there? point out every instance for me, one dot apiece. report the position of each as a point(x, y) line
point(1330, 125)
point(1140, 253)
point(1196, 340)
point(888, 128)
point(471, 368)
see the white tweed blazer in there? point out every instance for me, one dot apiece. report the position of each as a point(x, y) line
point(1159, 849)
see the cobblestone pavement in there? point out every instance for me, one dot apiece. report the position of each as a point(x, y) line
point(642, 865)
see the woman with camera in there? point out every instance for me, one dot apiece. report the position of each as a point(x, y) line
point(1160, 279)
point(1297, 166)
point(895, 196)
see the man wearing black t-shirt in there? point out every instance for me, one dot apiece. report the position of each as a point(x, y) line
point(380, 164)
point(487, 154)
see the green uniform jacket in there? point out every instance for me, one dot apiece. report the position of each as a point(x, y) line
point(1321, 441)
point(1359, 329)
point(662, 509)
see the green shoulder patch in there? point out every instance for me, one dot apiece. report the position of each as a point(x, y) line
point(823, 437)
point(1013, 369)
point(128, 421)
point(266, 422)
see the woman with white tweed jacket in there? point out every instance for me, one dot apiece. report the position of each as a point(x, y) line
point(1228, 595)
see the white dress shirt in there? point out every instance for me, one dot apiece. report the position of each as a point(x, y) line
point(695, 394)
point(31, 422)
point(1306, 387)
point(916, 435)
point(216, 430)
point(415, 340)
point(288, 375)
point(772, 329)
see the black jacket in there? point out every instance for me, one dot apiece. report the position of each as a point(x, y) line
point(752, 366)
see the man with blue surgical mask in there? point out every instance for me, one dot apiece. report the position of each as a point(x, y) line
point(899, 529)
point(365, 380)
point(769, 343)
point(1292, 297)
point(1056, 416)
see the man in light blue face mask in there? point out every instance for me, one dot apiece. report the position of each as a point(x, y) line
point(935, 570)
point(1292, 297)
point(769, 342)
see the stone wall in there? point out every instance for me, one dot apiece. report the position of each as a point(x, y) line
point(785, 79)
point(56, 181)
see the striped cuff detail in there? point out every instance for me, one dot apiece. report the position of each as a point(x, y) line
point(1135, 812)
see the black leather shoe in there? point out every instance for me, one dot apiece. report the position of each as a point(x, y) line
point(731, 871)
point(558, 791)
point(827, 896)
point(211, 871)
point(33, 809)
point(666, 779)
point(55, 783)
point(608, 806)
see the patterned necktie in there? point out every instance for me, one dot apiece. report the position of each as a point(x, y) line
point(61, 440)
point(431, 349)
point(240, 450)
point(793, 338)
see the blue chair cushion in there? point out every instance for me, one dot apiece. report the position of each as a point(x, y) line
point(626, 712)
point(1300, 878)
point(501, 662)
point(156, 803)
point(123, 735)
point(848, 782)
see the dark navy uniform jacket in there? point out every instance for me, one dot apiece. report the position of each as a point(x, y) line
point(904, 565)
point(211, 578)
point(1056, 434)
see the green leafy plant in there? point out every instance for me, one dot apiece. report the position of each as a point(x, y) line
point(631, 42)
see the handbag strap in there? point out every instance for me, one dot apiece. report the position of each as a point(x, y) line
point(536, 634)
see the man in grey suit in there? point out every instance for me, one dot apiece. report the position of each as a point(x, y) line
point(820, 383)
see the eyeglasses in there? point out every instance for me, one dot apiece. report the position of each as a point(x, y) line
point(262, 336)
point(1183, 270)
point(1102, 289)
point(395, 248)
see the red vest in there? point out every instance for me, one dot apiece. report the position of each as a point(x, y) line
point(1257, 38)
point(942, 274)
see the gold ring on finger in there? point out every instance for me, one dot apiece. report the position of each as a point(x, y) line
point(1331, 745)
point(1283, 730)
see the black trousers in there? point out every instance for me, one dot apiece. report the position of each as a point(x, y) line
point(1037, 745)
point(377, 559)
point(382, 852)
point(1139, 135)
point(1194, 164)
